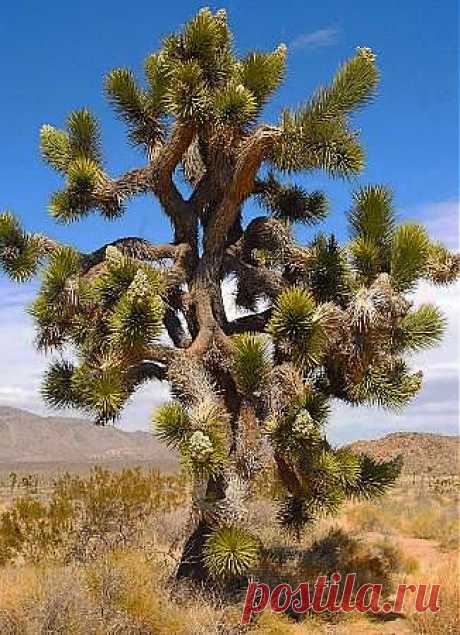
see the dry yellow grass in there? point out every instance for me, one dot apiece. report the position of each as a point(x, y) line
point(447, 621)
point(128, 590)
point(427, 516)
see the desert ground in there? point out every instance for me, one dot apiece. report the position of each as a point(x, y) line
point(111, 568)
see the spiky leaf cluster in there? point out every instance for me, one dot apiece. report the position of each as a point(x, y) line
point(76, 153)
point(195, 77)
point(326, 479)
point(388, 385)
point(199, 433)
point(404, 251)
point(20, 253)
point(110, 321)
point(230, 551)
point(420, 329)
point(99, 389)
point(301, 329)
point(374, 476)
point(292, 202)
point(251, 362)
point(327, 273)
point(318, 134)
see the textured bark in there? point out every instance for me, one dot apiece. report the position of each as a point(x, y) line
point(191, 563)
point(195, 319)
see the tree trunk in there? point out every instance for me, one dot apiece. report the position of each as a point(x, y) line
point(191, 563)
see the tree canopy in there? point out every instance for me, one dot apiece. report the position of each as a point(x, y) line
point(319, 322)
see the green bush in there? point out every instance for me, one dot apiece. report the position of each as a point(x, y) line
point(86, 515)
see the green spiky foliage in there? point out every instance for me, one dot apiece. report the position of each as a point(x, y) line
point(420, 329)
point(374, 476)
point(111, 321)
point(300, 328)
point(198, 432)
point(327, 276)
point(321, 321)
point(251, 362)
point(20, 253)
point(230, 551)
point(292, 202)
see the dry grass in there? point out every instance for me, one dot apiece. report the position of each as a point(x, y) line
point(431, 517)
point(122, 593)
point(447, 621)
point(128, 589)
point(129, 592)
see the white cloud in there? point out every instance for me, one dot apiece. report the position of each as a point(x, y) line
point(21, 365)
point(316, 39)
point(442, 221)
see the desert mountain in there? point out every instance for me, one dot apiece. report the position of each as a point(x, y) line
point(30, 438)
point(423, 453)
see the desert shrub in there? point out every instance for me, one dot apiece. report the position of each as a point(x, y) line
point(123, 592)
point(339, 551)
point(420, 516)
point(334, 551)
point(44, 599)
point(431, 520)
point(129, 591)
point(61, 607)
point(397, 560)
point(368, 517)
point(86, 515)
point(447, 620)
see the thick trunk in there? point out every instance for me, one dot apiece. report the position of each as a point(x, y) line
point(191, 563)
point(209, 312)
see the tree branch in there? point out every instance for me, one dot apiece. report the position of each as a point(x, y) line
point(157, 178)
point(132, 246)
point(251, 155)
point(161, 353)
point(264, 280)
point(174, 327)
point(263, 233)
point(179, 211)
point(255, 322)
point(146, 371)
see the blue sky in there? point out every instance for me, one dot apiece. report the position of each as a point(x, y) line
point(53, 59)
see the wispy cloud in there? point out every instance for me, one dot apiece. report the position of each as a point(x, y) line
point(442, 221)
point(316, 39)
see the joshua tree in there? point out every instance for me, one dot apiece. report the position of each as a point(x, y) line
point(317, 322)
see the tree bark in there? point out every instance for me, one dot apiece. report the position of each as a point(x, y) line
point(191, 564)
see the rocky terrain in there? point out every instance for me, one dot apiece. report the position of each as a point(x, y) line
point(423, 453)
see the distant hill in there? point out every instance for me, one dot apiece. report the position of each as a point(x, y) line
point(27, 438)
point(30, 438)
point(423, 453)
